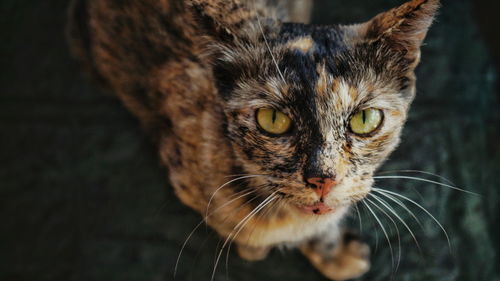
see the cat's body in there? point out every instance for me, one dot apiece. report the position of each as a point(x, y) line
point(196, 73)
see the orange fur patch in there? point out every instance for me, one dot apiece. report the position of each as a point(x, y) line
point(395, 113)
point(322, 84)
point(303, 44)
point(353, 92)
point(335, 86)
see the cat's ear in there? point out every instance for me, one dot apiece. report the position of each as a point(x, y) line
point(403, 28)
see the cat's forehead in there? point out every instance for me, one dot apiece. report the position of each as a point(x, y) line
point(303, 48)
point(321, 40)
point(328, 64)
point(304, 78)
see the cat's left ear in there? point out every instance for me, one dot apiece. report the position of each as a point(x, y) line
point(403, 28)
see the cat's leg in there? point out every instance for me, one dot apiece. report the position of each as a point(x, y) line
point(252, 253)
point(338, 257)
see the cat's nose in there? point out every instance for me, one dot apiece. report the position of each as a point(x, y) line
point(321, 185)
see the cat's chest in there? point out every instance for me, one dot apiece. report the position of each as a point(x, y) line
point(292, 230)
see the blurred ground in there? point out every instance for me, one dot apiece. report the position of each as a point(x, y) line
point(83, 197)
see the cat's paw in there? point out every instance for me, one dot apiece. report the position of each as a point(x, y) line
point(350, 259)
point(252, 253)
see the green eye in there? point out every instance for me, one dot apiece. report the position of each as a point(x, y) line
point(366, 121)
point(273, 121)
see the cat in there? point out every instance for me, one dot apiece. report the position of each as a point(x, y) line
point(269, 129)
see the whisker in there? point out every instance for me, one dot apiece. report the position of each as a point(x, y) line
point(397, 231)
point(375, 230)
point(236, 211)
point(270, 207)
point(388, 207)
point(402, 205)
point(420, 172)
point(239, 195)
point(267, 45)
point(235, 196)
point(255, 211)
point(201, 223)
point(359, 217)
point(199, 252)
point(383, 230)
point(429, 181)
point(217, 249)
point(232, 237)
point(419, 206)
point(225, 184)
point(240, 226)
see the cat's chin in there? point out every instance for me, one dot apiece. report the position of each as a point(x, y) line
point(319, 208)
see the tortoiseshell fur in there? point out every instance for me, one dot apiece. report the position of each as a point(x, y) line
point(195, 72)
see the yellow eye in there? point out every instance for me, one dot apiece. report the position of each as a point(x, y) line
point(273, 121)
point(366, 121)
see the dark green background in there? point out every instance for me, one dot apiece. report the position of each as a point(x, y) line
point(83, 197)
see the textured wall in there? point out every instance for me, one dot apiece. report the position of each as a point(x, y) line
point(82, 196)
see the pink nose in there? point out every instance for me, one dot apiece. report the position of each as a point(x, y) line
point(321, 185)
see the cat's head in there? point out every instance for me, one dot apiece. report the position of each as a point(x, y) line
point(316, 109)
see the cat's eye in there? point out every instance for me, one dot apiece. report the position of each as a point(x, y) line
point(273, 121)
point(366, 121)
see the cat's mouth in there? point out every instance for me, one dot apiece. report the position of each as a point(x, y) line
point(319, 208)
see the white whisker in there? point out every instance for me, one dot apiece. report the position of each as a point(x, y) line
point(201, 223)
point(419, 206)
point(375, 230)
point(252, 190)
point(269, 209)
point(402, 205)
point(359, 217)
point(240, 226)
point(388, 207)
point(395, 226)
point(383, 230)
point(268, 47)
point(429, 181)
point(420, 172)
point(225, 184)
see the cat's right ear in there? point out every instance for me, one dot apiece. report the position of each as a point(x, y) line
point(403, 28)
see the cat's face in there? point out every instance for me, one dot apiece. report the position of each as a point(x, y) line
point(318, 79)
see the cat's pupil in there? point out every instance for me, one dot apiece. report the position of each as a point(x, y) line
point(364, 116)
point(274, 116)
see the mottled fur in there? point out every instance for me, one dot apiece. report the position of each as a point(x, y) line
point(195, 72)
